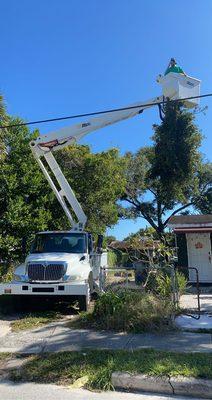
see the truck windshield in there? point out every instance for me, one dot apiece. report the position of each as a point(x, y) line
point(59, 242)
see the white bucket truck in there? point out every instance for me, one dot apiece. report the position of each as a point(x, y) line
point(64, 263)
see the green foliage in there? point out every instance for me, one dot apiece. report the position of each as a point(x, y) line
point(143, 232)
point(203, 202)
point(35, 320)
point(28, 205)
point(3, 121)
point(98, 181)
point(108, 240)
point(161, 283)
point(164, 284)
point(98, 366)
point(169, 176)
point(132, 311)
point(125, 259)
point(6, 272)
point(176, 155)
point(24, 195)
point(112, 258)
point(181, 283)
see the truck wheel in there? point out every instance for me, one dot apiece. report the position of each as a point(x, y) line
point(83, 303)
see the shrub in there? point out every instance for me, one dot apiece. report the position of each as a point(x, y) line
point(181, 282)
point(6, 272)
point(164, 284)
point(132, 311)
point(161, 283)
point(112, 259)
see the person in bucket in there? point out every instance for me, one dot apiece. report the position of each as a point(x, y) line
point(174, 67)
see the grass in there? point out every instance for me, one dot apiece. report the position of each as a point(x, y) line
point(35, 320)
point(94, 367)
point(4, 356)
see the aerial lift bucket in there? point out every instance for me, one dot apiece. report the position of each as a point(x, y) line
point(179, 86)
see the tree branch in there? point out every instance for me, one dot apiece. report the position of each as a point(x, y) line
point(152, 191)
point(137, 205)
point(176, 211)
point(143, 214)
point(149, 219)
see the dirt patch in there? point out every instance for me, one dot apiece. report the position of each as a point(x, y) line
point(5, 327)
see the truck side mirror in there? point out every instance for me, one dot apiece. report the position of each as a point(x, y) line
point(99, 243)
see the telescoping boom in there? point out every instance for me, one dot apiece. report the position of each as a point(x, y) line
point(174, 85)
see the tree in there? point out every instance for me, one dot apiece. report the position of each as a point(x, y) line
point(28, 205)
point(203, 201)
point(98, 181)
point(170, 176)
point(143, 232)
point(24, 195)
point(3, 121)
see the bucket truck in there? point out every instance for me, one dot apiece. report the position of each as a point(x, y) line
point(64, 264)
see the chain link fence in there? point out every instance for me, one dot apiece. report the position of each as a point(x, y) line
point(163, 283)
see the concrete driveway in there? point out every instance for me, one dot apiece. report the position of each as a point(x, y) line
point(189, 302)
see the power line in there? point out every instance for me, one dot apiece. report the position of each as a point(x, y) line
point(102, 112)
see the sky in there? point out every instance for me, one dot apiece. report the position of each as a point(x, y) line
point(67, 57)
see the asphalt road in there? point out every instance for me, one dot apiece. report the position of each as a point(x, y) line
point(32, 391)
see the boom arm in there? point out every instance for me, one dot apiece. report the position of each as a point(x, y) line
point(45, 145)
point(175, 86)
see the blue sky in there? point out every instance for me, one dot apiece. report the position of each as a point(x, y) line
point(65, 57)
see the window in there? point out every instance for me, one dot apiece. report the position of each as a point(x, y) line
point(59, 242)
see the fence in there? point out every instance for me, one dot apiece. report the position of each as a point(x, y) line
point(113, 279)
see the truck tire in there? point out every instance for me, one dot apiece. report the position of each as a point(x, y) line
point(83, 303)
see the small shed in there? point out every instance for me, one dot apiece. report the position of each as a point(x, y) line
point(193, 240)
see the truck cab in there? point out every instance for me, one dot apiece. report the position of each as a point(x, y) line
point(59, 256)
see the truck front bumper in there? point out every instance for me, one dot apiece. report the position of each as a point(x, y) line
point(40, 289)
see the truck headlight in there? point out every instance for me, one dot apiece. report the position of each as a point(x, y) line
point(19, 278)
point(75, 278)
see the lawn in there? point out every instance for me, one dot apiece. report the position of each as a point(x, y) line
point(94, 367)
point(35, 320)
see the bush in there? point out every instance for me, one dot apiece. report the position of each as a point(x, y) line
point(181, 282)
point(112, 259)
point(164, 284)
point(6, 272)
point(132, 311)
point(161, 283)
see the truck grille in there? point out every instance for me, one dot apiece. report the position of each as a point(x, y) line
point(42, 272)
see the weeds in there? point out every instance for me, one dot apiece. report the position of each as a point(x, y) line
point(129, 311)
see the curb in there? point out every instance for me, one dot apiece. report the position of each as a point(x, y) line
point(200, 388)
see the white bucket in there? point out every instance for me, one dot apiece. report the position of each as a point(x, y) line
point(178, 86)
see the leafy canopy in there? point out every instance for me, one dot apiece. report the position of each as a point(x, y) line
point(28, 205)
point(169, 176)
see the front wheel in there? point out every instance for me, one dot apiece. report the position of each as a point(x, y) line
point(83, 303)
